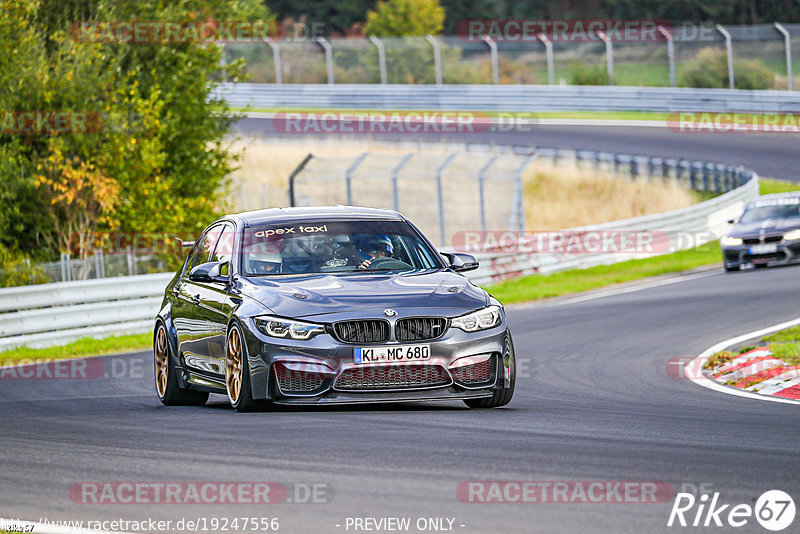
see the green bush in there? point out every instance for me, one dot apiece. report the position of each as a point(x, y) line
point(16, 270)
point(709, 69)
point(591, 75)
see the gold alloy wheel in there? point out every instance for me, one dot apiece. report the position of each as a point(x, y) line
point(161, 361)
point(233, 365)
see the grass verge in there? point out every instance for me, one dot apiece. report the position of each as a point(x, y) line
point(537, 286)
point(80, 349)
point(768, 187)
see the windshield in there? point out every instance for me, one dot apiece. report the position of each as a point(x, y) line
point(334, 247)
point(762, 213)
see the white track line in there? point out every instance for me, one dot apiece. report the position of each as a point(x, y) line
point(695, 367)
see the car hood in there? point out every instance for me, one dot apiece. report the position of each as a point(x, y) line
point(309, 295)
point(768, 226)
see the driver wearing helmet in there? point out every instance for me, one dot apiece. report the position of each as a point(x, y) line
point(378, 246)
point(263, 258)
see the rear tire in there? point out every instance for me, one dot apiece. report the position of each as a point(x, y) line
point(732, 269)
point(237, 374)
point(500, 397)
point(167, 388)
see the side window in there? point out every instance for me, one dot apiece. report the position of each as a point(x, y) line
point(209, 244)
point(191, 260)
point(224, 249)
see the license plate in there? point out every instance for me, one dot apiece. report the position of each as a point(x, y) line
point(391, 353)
point(763, 249)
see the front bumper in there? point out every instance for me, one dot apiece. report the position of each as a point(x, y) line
point(322, 370)
point(741, 255)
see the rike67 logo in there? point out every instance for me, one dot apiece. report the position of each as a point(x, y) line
point(774, 510)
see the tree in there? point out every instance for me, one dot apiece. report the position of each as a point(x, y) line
point(80, 198)
point(396, 18)
point(157, 159)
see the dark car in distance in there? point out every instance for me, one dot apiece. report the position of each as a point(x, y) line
point(767, 233)
point(328, 305)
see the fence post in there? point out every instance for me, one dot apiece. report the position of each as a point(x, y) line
point(326, 46)
point(131, 257)
point(99, 263)
point(729, 51)
point(787, 39)
point(609, 56)
point(381, 58)
point(440, 196)
point(66, 275)
point(295, 172)
point(276, 60)
point(437, 58)
point(670, 54)
point(493, 51)
point(395, 173)
point(548, 50)
point(481, 177)
point(519, 199)
point(348, 177)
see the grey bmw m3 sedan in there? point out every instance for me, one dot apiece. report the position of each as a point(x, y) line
point(328, 305)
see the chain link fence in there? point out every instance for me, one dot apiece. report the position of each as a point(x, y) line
point(461, 60)
point(442, 193)
point(99, 265)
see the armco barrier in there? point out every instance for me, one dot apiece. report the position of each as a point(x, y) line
point(512, 98)
point(53, 314)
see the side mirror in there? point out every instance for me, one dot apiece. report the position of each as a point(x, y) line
point(460, 262)
point(208, 272)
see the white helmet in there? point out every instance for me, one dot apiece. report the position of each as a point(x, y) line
point(263, 258)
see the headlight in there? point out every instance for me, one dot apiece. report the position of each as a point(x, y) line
point(730, 241)
point(794, 234)
point(277, 327)
point(480, 320)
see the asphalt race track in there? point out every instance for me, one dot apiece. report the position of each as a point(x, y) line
point(770, 155)
point(594, 401)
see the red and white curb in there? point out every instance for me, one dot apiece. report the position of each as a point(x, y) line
point(759, 371)
point(782, 383)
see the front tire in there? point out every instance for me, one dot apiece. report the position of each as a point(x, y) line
point(237, 374)
point(167, 388)
point(500, 397)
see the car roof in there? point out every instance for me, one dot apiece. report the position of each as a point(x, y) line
point(315, 213)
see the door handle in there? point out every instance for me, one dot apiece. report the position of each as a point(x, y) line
point(196, 300)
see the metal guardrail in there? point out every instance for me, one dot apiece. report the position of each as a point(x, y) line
point(512, 98)
point(53, 314)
